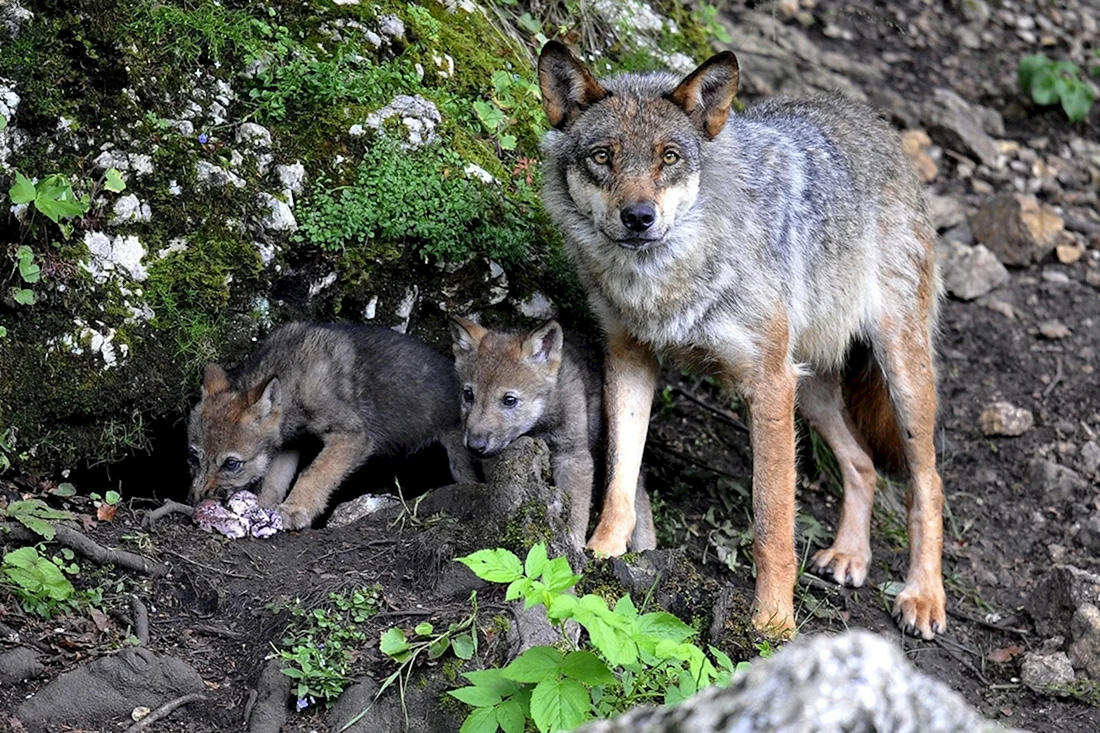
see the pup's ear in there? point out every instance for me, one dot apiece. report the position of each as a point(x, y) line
point(214, 380)
point(269, 399)
point(707, 93)
point(567, 85)
point(543, 345)
point(466, 336)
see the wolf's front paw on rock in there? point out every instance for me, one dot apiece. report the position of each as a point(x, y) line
point(921, 609)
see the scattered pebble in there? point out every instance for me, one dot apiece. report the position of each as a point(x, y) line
point(1003, 418)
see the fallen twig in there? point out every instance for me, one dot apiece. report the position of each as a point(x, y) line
point(141, 620)
point(164, 710)
point(1058, 374)
point(169, 507)
point(196, 563)
point(666, 448)
point(724, 415)
point(987, 624)
point(91, 549)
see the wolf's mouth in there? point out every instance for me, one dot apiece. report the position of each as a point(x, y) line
point(638, 244)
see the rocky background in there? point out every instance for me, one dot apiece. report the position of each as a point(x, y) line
point(378, 161)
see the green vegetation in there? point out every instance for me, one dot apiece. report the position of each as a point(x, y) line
point(1051, 82)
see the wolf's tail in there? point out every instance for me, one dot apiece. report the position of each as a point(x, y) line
point(868, 401)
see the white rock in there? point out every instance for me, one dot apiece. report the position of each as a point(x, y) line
point(267, 252)
point(371, 309)
point(293, 177)
point(279, 217)
point(632, 14)
point(174, 188)
point(9, 100)
point(537, 306)
point(1044, 670)
point(257, 136)
point(419, 115)
point(316, 287)
point(130, 208)
point(473, 170)
point(405, 308)
point(110, 255)
point(212, 176)
point(391, 26)
point(179, 244)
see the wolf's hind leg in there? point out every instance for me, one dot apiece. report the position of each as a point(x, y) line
point(644, 536)
point(821, 402)
point(342, 454)
point(904, 349)
point(462, 464)
point(280, 474)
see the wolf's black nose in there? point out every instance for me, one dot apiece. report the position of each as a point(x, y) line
point(639, 217)
point(477, 443)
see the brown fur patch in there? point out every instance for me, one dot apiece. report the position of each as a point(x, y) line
point(867, 398)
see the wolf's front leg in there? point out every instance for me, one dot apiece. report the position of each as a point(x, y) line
point(573, 473)
point(631, 377)
point(280, 474)
point(342, 454)
point(771, 397)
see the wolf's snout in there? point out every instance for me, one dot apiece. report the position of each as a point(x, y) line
point(479, 444)
point(639, 218)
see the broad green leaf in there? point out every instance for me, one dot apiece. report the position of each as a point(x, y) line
point(490, 115)
point(724, 660)
point(586, 667)
point(23, 191)
point(1029, 68)
point(24, 557)
point(510, 717)
point(56, 209)
point(23, 296)
point(507, 142)
point(393, 642)
point(1077, 101)
point(3, 122)
point(439, 648)
point(38, 526)
point(112, 497)
point(494, 680)
point(114, 181)
point(1044, 89)
point(482, 720)
point(3, 332)
point(463, 646)
point(517, 588)
point(478, 697)
point(29, 271)
point(536, 561)
point(295, 674)
point(496, 566)
point(664, 626)
point(537, 664)
point(422, 629)
point(529, 23)
point(625, 607)
point(562, 607)
point(560, 705)
point(558, 576)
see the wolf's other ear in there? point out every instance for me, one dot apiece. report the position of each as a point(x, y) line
point(707, 93)
point(214, 380)
point(567, 85)
point(466, 336)
point(270, 399)
point(543, 345)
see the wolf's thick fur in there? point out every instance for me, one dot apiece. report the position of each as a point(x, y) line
point(541, 384)
point(364, 390)
point(767, 248)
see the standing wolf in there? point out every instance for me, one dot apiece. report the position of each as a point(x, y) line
point(364, 390)
point(541, 384)
point(784, 250)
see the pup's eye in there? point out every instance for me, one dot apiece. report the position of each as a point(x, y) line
point(601, 156)
point(232, 465)
point(671, 157)
point(468, 394)
point(509, 400)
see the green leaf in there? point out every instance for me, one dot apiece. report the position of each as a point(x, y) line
point(463, 646)
point(493, 679)
point(393, 642)
point(23, 296)
point(3, 122)
point(560, 705)
point(482, 720)
point(496, 566)
point(1044, 89)
point(23, 192)
point(29, 271)
point(507, 142)
point(56, 209)
point(112, 497)
point(558, 576)
point(537, 664)
point(510, 717)
point(536, 561)
point(586, 667)
point(724, 660)
point(38, 526)
point(490, 115)
point(24, 557)
point(1077, 101)
point(530, 24)
point(421, 629)
point(1029, 68)
point(663, 626)
point(478, 697)
point(517, 588)
point(439, 647)
point(3, 332)
point(625, 607)
point(114, 181)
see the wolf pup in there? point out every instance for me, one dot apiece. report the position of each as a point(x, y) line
point(539, 384)
point(787, 249)
point(364, 390)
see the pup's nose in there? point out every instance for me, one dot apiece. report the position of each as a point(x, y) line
point(639, 217)
point(478, 443)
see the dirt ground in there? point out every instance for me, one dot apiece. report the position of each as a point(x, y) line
point(218, 608)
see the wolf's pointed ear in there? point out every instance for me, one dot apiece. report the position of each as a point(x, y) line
point(270, 398)
point(567, 85)
point(707, 93)
point(214, 380)
point(543, 345)
point(465, 336)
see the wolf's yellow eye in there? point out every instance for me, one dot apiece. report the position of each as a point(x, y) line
point(671, 157)
point(601, 157)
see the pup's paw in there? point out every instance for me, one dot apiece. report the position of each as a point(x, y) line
point(846, 568)
point(294, 516)
point(921, 609)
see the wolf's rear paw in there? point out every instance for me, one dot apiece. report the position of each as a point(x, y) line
point(607, 546)
point(773, 622)
point(921, 609)
point(846, 568)
point(294, 516)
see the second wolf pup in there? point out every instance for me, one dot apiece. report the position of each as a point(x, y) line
point(364, 390)
point(538, 384)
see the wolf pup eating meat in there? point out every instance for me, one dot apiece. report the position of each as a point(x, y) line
point(787, 250)
point(363, 390)
point(541, 384)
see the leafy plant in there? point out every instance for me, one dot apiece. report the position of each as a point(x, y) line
point(35, 515)
point(320, 649)
point(706, 15)
point(39, 583)
point(634, 658)
point(514, 102)
point(1049, 82)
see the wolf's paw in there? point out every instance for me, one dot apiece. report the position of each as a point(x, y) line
point(921, 609)
point(846, 568)
point(605, 546)
point(294, 516)
point(773, 622)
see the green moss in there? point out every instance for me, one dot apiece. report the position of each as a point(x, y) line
point(528, 527)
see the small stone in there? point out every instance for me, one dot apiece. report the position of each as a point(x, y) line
point(1003, 418)
point(212, 176)
point(953, 122)
point(279, 217)
point(1057, 552)
point(1069, 253)
point(916, 144)
point(352, 511)
point(1084, 650)
point(1053, 330)
point(129, 209)
point(1092, 277)
point(1045, 670)
point(1058, 484)
point(1088, 534)
point(251, 134)
point(292, 177)
point(1090, 457)
point(971, 272)
point(947, 211)
point(1016, 228)
point(18, 664)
